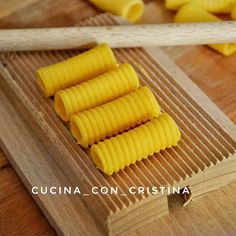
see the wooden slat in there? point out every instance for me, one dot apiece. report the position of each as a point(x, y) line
point(36, 168)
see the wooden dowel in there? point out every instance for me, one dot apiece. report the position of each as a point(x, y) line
point(118, 36)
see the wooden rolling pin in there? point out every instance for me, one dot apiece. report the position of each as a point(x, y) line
point(118, 36)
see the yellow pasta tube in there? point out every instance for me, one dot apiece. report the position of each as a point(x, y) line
point(131, 10)
point(102, 89)
point(175, 4)
point(96, 124)
point(120, 151)
point(226, 49)
point(215, 6)
point(233, 13)
point(193, 13)
point(76, 69)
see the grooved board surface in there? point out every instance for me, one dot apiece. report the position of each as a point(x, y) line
point(205, 143)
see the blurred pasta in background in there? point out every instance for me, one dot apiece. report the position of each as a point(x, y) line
point(186, 11)
point(212, 6)
point(233, 14)
point(204, 11)
point(131, 10)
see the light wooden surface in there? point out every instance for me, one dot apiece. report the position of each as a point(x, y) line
point(118, 36)
point(211, 214)
point(215, 153)
point(223, 223)
point(45, 171)
point(210, 166)
point(7, 7)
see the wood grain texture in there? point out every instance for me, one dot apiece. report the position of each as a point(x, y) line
point(212, 215)
point(212, 72)
point(212, 137)
point(31, 155)
point(117, 36)
point(195, 61)
point(7, 7)
point(206, 212)
point(17, 215)
point(49, 13)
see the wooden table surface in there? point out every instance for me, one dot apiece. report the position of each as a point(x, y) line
point(212, 214)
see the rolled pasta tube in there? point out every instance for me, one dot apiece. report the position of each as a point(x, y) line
point(75, 70)
point(226, 49)
point(193, 13)
point(102, 89)
point(98, 123)
point(215, 6)
point(131, 10)
point(175, 4)
point(233, 13)
point(120, 151)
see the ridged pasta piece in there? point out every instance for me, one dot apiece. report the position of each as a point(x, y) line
point(131, 10)
point(120, 151)
point(102, 89)
point(98, 123)
point(215, 6)
point(226, 49)
point(175, 4)
point(193, 13)
point(233, 13)
point(76, 69)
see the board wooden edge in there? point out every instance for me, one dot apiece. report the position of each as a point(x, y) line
point(41, 171)
point(69, 166)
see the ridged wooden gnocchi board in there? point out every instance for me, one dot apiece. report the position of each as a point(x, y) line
point(204, 160)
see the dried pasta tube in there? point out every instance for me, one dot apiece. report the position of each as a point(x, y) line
point(175, 4)
point(109, 119)
point(226, 49)
point(114, 154)
point(76, 69)
point(102, 89)
point(233, 13)
point(131, 10)
point(215, 6)
point(193, 13)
